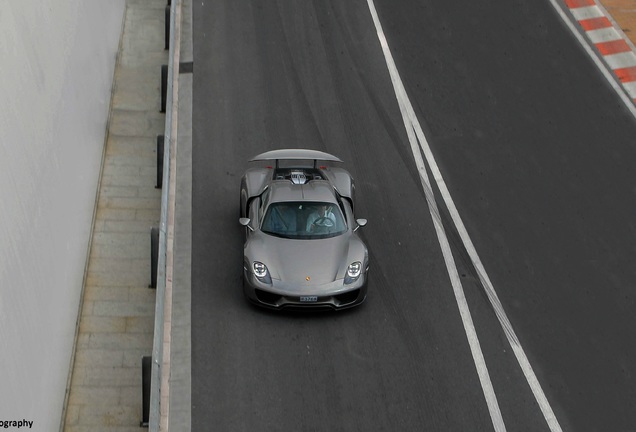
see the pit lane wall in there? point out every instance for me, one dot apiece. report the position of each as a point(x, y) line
point(57, 59)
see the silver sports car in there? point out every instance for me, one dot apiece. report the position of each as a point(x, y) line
point(301, 247)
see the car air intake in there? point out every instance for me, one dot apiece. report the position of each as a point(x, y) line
point(348, 297)
point(267, 297)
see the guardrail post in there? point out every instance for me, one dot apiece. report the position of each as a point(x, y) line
point(154, 256)
point(146, 371)
point(160, 147)
point(164, 87)
point(167, 28)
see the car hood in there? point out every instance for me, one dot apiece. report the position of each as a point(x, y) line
point(305, 262)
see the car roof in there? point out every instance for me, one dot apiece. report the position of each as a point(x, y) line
point(315, 190)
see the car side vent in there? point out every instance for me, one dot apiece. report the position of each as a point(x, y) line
point(298, 177)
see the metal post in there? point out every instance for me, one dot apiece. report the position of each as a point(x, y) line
point(164, 87)
point(146, 373)
point(160, 146)
point(154, 256)
point(167, 28)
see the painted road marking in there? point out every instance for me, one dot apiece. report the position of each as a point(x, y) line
point(587, 12)
point(624, 90)
point(631, 86)
point(627, 74)
point(419, 144)
point(579, 3)
point(595, 23)
point(613, 47)
point(469, 328)
point(621, 61)
point(612, 44)
point(601, 35)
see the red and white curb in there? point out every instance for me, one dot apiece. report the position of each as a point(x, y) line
point(617, 50)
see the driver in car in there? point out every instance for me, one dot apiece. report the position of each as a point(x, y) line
point(322, 216)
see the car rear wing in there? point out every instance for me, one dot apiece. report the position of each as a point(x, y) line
point(295, 154)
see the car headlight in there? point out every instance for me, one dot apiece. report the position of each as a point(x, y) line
point(353, 272)
point(261, 272)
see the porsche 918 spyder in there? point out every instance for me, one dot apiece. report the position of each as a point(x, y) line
point(302, 249)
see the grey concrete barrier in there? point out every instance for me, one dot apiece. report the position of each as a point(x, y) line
point(170, 133)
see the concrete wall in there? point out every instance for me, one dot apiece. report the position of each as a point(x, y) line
point(57, 60)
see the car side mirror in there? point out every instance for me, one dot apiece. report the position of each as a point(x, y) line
point(246, 223)
point(361, 223)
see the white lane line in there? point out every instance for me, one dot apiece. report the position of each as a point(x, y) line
point(520, 354)
point(469, 328)
point(412, 124)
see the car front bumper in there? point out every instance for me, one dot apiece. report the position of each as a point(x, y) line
point(335, 296)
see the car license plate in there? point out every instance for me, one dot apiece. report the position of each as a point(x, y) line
point(308, 298)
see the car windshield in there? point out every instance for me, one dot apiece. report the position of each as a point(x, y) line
point(304, 220)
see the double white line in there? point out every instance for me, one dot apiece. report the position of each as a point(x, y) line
point(420, 145)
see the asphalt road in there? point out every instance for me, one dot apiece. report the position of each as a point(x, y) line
point(538, 154)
